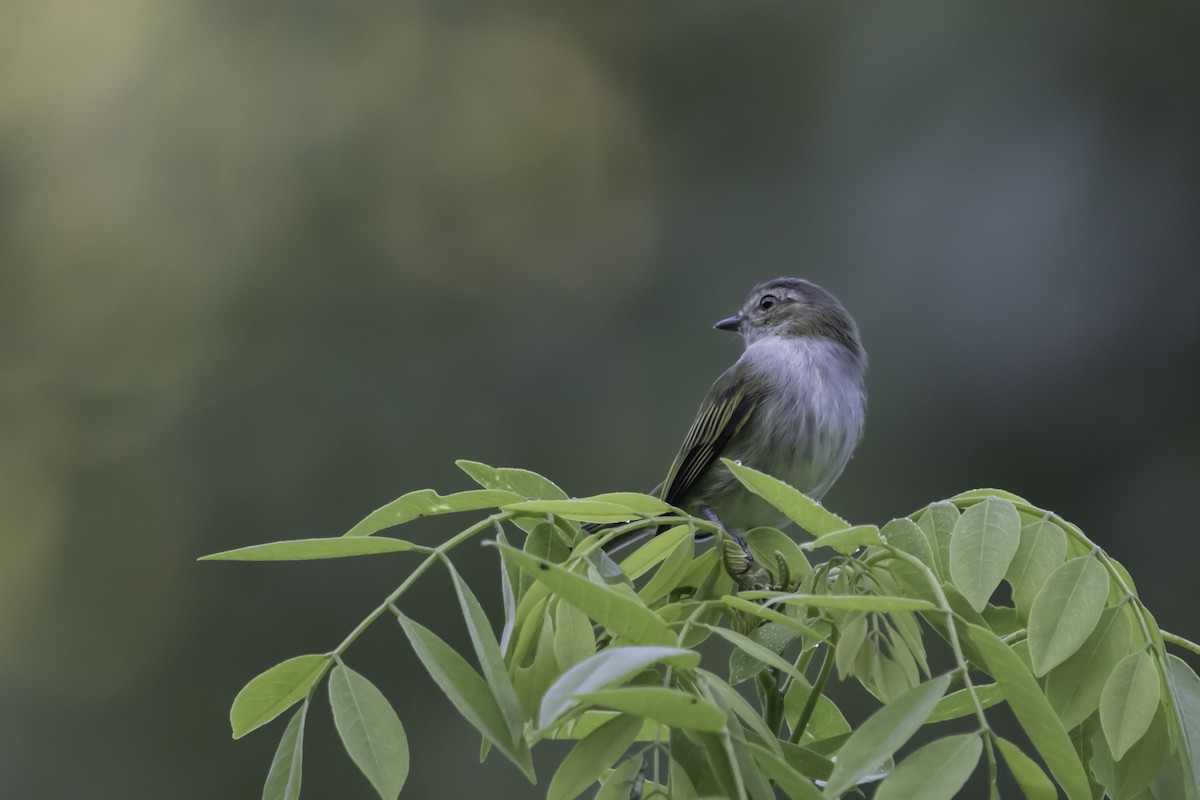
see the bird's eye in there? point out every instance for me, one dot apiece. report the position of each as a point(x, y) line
point(767, 302)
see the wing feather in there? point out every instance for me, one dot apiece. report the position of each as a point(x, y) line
point(725, 410)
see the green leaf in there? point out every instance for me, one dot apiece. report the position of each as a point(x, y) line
point(1034, 712)
point(574, 639)
point(592, 756)
point(905, 535)
point(959, 704)
point(1074, 686)
point(309, 549)
point(623, 615)
point(799, 507)
point(669, 706)
point(854, 635)
point(283, 779)
point(755, 650)
point(935, 772)
point(577, 510)
point(654, 551)
point(467, 691)
point(1065, 612)
point(428, 503)
point(1042, 548)
point(487, 650)
point(774, 636)
point(764, 543)
point(1028, 774)
point(618, 784)
point(848, 540)
point(826, 720)
point(271, 693)
point(792, 782)
point(771, 615)
point(1128, 702)
point(370, 730)
point(883, 733)
point(667, 577)
point(1000, 493)
point(604, 669)
point(1135, 771)
point(644, 504)
point(1185, 691)
point(852, 602)
point(984, 542)
point(937, 523)
point(527, 484)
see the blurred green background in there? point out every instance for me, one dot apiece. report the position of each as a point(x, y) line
point(264, 267)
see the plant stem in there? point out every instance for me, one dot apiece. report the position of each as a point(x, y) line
point(421, 569)
point(810, 704)
point(1179, 641)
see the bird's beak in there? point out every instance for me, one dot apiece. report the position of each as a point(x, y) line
point(733, 323)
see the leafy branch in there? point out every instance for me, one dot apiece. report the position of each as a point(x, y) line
point(604, 653)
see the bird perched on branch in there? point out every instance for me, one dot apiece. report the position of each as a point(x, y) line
point(793, 406)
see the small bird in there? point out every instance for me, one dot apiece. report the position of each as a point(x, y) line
point(793, 406)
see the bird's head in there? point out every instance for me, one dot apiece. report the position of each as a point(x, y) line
point(791, 308)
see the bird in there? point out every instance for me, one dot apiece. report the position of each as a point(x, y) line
point(793, 406)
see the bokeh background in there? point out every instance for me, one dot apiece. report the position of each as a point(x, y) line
point(264, 267)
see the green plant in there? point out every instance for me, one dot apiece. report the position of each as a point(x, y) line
point(606, 653)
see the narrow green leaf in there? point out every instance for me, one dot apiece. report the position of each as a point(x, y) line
point(984, 542)
point(755, 650)
point(527, 484)
point(592, 756)
point(270, 693)
point(1034, 712)
point(623, 615)
point(854, 635)
point(1065, 612)
point(1074, 686)
point(574, 639)
point(577, 510)
point(1042, 548)
point(771, 615)
point(959, 704)
point(1129, 701)
point(1029, 776)
point(509, 578)
point(428, 503)
point(667, 577)
point(654, 551)
point(937, 523)
point(935, 772)
point(669, 706)
point(773, 636)
point(848, 540)
point(467, 691)
point(370, 730)
point(794, 784)
point(883, 733)
point(309, 549)
point(799, 507)
point(487, 650)
point(644, 504)
point(852, 602)
point(283, 779)
point(1185, 691)
point(605, 669)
